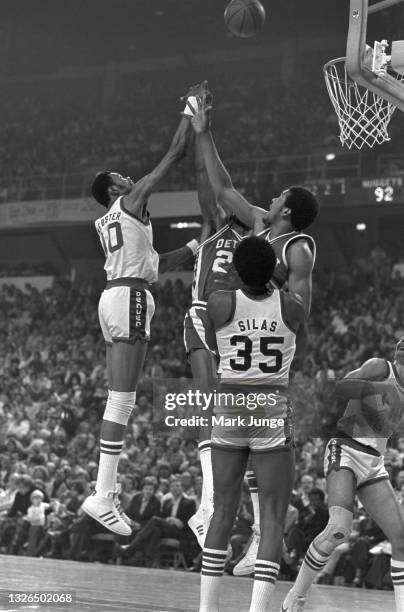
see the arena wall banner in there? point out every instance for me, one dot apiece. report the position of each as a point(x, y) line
point(39, 282)
point(85, 210)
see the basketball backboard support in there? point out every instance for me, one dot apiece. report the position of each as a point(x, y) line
point(358, 66)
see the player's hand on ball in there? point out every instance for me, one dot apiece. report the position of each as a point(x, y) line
point(196, 90)
point(200, 118)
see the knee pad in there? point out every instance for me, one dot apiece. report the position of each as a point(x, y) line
point(119, 406)
point(337, 531)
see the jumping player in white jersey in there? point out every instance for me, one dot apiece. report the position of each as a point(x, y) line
point(282, 225)
point(126, 308)
point(354, 465)
point(255, 330)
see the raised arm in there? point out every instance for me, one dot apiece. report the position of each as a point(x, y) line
point(213, 215)
point(225, 194)
point(141, 191)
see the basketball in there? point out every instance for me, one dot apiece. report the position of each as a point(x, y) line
point(244, 18)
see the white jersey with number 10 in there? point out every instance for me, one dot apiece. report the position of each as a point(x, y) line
point(128, 245)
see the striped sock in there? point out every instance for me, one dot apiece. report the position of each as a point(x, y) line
point(265, 575)
point(313, 562)
point(213, 562)
point(110, 451)
point(253, 486)
point(205, 456)
point(397, 576)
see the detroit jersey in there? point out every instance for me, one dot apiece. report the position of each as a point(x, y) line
point(214, 268)
point(128, 245)
point(374, 417)
point(280, 244)
point(256, 347)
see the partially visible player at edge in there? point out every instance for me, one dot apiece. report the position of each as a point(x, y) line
point(213, 270)
point(255, 329)
point(354, 465)
point(294, 210)
point(126, 308)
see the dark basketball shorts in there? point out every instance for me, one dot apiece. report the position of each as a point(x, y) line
point(125, 314)
point(195, 329)
point(366, 464)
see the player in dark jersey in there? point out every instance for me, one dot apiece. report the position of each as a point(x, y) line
point(354, 465)
point(213, 270)
point(290, 213)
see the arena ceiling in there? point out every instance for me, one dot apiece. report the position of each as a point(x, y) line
point(43, 36)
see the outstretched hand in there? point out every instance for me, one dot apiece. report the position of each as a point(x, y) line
point(198, 106)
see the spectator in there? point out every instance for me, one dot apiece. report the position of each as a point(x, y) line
point(36, 517)
point(144, 505)
point(173, 523)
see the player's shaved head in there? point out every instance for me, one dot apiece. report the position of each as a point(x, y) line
point(99, 188)
point(303, 206)
point(254, 260)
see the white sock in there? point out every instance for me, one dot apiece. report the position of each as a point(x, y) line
point(117, 411)
point(313, 563)
point(205, 456)
point(252, 485)
point(397, 576)
point(213, 562)
point(108, 466)
point(265, 575)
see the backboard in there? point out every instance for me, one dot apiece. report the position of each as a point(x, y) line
point(359, 62)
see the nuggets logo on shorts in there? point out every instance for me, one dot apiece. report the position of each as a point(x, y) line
point(138, 309)
point(125, 314)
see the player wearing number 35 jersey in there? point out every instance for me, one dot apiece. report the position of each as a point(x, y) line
point(125, 310)
point(289, 214)
point(255, 328)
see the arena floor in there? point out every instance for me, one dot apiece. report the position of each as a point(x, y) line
point(119, 588)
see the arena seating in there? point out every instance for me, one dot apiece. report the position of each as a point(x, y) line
point(53, 389)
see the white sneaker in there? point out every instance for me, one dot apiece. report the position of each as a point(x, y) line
point(125, 517)
point(246, 565)
point(197, 525)
point(293, 603)
point(105, 511)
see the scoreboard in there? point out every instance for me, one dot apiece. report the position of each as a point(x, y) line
point(358, 191)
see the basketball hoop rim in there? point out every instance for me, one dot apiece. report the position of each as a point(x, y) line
point(343, 79)
point(332, 62)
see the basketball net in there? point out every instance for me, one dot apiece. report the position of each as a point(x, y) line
point(363, 116)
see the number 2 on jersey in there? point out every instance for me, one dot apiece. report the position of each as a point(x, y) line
point(245, 354)
point(222, 257)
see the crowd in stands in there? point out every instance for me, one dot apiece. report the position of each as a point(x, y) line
point(51, 129)
point(56, 135)
point(52, 396)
